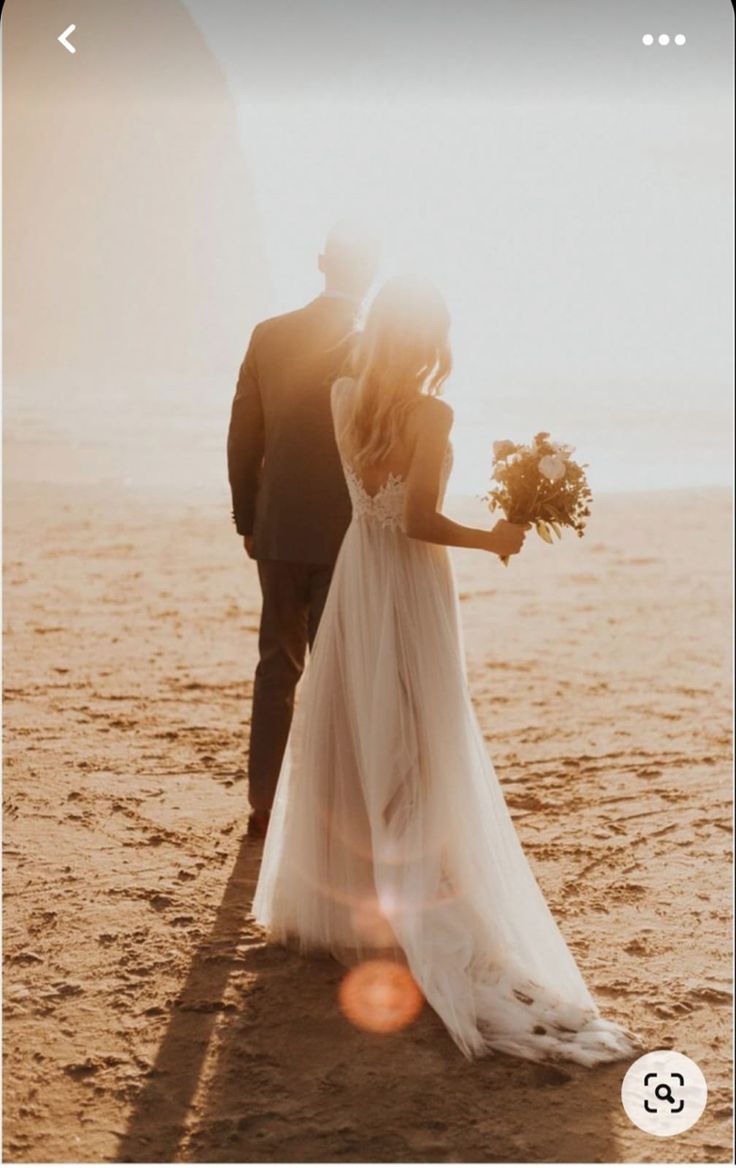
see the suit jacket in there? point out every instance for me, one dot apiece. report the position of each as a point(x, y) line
point(288, 487)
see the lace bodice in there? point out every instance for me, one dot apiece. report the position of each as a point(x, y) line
point(386, 506)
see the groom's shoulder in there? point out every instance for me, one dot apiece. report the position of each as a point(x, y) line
point(274, 324)
point(284, 321)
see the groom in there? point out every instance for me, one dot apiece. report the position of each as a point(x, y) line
point(290, 501)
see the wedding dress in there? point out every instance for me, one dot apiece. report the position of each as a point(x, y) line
point(389, 830)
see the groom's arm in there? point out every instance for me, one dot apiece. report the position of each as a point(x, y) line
point(245, 442)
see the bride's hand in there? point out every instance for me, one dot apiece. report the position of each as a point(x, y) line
point(507, 539)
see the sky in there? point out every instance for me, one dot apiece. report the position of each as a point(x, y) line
point(567, 187)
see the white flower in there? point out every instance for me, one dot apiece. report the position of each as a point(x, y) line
point(552, 467)
point(503, 449)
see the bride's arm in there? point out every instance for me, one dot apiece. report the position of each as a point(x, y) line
point(422, 520)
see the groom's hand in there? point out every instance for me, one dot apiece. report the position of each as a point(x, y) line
point(248, 544)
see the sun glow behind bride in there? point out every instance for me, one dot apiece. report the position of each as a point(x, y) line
point(548, 230)
point(568, 191)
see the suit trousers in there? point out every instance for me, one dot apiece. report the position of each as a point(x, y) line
point(294, 596)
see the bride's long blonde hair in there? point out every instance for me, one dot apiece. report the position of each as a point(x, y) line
point(402, 353)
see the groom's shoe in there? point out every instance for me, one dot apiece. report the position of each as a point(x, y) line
point(258, 824)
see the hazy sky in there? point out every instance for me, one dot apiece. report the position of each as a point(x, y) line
point(568, 188)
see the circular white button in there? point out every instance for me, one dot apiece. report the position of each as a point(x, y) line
point(664, 1093)
point(647, 39)
point(680, 39)
point(663, 39)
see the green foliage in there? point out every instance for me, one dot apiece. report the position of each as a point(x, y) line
point(526, 495)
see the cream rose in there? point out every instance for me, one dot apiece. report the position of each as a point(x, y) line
point(503, 449)
point(552, 467)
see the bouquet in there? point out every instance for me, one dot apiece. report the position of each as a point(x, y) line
point(541, 485)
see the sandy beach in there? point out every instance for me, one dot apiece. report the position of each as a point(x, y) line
point(146, 1020)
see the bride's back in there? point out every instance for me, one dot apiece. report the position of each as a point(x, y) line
point(402, 358)
point(374, 474)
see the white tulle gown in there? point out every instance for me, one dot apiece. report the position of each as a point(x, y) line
point(389, 830)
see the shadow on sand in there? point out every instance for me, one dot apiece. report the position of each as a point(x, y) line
point(258, 1064)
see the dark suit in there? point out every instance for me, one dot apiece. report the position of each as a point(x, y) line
point(289, 493)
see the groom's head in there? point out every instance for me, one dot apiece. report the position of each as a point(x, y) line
point(349, 260)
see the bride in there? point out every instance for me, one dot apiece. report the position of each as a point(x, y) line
point(389, 833)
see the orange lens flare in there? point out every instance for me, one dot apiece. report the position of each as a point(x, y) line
point(380, 996)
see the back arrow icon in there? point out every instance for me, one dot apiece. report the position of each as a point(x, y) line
point(63, 41)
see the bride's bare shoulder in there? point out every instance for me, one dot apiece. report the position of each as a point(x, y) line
point(342, 385)
point(432, 414)
point(340, 391)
